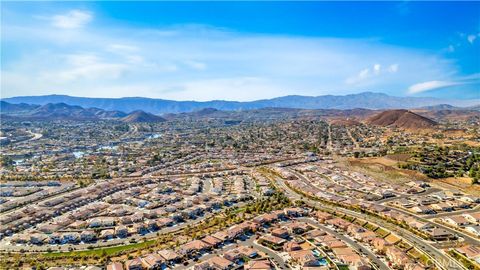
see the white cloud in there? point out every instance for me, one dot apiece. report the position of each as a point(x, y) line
point(135, 59)
point(196, 65)
point(437, 84)
point(430, 85)
point(362, 75)
point(72, 19)
point(122, 48)
point(81, 59)
point(376, 69)
point(393, 68)
point(471, 38)
point(371, 73)
point(86, 67)
point(93, 71)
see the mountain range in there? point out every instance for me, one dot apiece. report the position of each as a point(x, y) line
point(63, 111)
point(366, 100)
point(413, 119)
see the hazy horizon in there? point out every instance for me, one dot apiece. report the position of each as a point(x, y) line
point(231, 100)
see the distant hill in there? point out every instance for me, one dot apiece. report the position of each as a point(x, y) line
point(450, 115)
point(205, 112)
point(9, 108)
point(55, 111)
point(61, 110)
point(440, 107)
point(475, 107)
point(445, 112)
point(141, 116)
point(401, 119)
point(366, 100)
point(107, 114)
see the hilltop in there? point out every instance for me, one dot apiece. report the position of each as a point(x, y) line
point(141, 116)
point(401, 119)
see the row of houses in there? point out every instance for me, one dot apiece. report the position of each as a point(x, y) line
point(384, 246)
point(231, 259)
point(115, 209)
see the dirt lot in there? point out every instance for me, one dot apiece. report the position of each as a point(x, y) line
point(386, 168)
point(461, 183)
point(398, 157)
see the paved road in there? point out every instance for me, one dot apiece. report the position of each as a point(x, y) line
point(207, 256)
point(36, 136)
point(468, 239)
point(189, 174)
point(330, 141)
point(429, 191)
point(349, 133)
point(441, 259)
point(207, 186)
point(249, 242)
point(271, 254)
point(471, 210)
point(131, 130)
point(381, 265)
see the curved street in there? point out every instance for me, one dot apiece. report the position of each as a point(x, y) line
point(359, 248)
point(440, 258)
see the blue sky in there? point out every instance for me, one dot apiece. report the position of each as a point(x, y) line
point(240, 50)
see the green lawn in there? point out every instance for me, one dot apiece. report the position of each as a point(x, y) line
point(381, 232)
point(93, 252)
point(371, 227)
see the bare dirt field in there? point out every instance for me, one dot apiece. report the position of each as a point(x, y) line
point(459, 183)
point(398, 157)
point(384, 168)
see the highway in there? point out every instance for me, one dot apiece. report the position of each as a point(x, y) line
point(440, 258)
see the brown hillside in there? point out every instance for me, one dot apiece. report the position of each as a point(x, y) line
point(450, 115)
point(141, 116)
point(401, 119)
point(344, 122)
